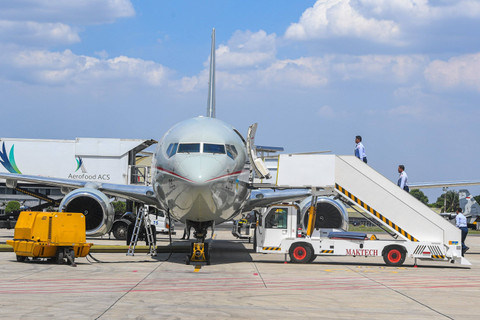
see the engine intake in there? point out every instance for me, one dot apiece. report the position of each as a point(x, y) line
point(330, 214)
point(95, 205)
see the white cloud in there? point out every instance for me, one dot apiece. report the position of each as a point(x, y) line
point(66, 11)
point(329, 18)
point(421, 11)
point(34, 33)
point(64, 68)
point(246, 49)
point(458, 72)
point(315, 72)
point(302, 72)
point(382, 68)
point(393, 22)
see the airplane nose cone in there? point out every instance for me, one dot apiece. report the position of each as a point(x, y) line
point(200, 168)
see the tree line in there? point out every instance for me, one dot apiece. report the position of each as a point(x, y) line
point(449, 205)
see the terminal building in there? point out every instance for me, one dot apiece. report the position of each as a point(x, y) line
point(117, 161)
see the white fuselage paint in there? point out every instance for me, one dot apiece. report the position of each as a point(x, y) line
point(201, 186)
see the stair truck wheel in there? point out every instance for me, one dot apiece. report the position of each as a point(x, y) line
point(394, 255)
point(21, 258)
point(300, 253)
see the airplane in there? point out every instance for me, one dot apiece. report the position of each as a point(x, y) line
point(203, 171)
point(468, 204)
point(470, 209)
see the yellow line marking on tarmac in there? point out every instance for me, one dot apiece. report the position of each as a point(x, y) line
point(197, 268)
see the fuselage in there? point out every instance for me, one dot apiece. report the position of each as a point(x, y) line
point(201, 171)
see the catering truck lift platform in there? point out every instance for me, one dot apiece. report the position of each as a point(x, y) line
point(417, 231)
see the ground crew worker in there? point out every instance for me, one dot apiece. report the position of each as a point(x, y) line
point(461, 223)
point(403, 178)
point(360, 149)
point(186, 232)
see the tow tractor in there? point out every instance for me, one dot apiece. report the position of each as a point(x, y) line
point(279, 231)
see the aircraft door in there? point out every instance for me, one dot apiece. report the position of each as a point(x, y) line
point(275, 226)
point(258, 165)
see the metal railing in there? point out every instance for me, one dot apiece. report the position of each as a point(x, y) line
point(140, 175)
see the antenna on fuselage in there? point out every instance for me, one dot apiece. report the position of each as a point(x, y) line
point(211, 81)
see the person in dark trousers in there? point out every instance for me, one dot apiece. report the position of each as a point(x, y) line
point(403, 178)
point(360, 149)
point(186, 232)
point(461, 223)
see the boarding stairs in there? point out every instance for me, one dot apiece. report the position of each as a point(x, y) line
point(142, 219)
point(378, 197)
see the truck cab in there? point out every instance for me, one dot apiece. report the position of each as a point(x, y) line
point(275, 224)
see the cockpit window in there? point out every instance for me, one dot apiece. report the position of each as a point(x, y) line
point(213, 148)
point(231, 151)
point(172, 149)
point(188, 147)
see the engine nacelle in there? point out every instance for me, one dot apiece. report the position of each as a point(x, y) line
point(95, 205)
point(331, 214)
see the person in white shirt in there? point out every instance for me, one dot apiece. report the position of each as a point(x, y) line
point(461, 223)
point(360, 149)
point(403, 178)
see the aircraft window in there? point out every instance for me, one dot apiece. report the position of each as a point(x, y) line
point(172, 149)
point(188, 147)
point(231, 151)
point(213, 148)
point(276, 219)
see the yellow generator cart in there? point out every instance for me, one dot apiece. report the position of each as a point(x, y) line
point(56, 235)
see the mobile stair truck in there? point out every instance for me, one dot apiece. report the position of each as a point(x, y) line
point(417, 231)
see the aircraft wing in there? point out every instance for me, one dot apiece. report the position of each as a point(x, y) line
point(427, 185)
point(131, 192)
point(262, 198)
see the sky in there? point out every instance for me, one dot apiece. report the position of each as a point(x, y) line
point(403, 74)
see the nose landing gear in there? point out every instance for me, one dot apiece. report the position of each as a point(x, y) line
point(199, 254)
point(199, 251)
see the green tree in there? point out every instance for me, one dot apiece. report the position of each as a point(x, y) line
point(12, 206)
point(419, 195)
point(452, 202)
point(119, 206)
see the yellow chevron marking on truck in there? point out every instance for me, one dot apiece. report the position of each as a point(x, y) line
point(375, 213)
point(271, 248)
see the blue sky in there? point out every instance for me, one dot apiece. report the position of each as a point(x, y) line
point(404, 74)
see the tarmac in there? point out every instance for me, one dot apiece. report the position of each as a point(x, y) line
point(239, 284)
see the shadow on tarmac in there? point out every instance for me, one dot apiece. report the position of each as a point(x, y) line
point(366, 264)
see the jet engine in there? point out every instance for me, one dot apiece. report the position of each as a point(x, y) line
point(95, 205)
point(331, 214)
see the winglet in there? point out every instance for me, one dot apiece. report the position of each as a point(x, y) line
point(211, 81)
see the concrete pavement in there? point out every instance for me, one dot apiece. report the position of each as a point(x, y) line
point(239, 284)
